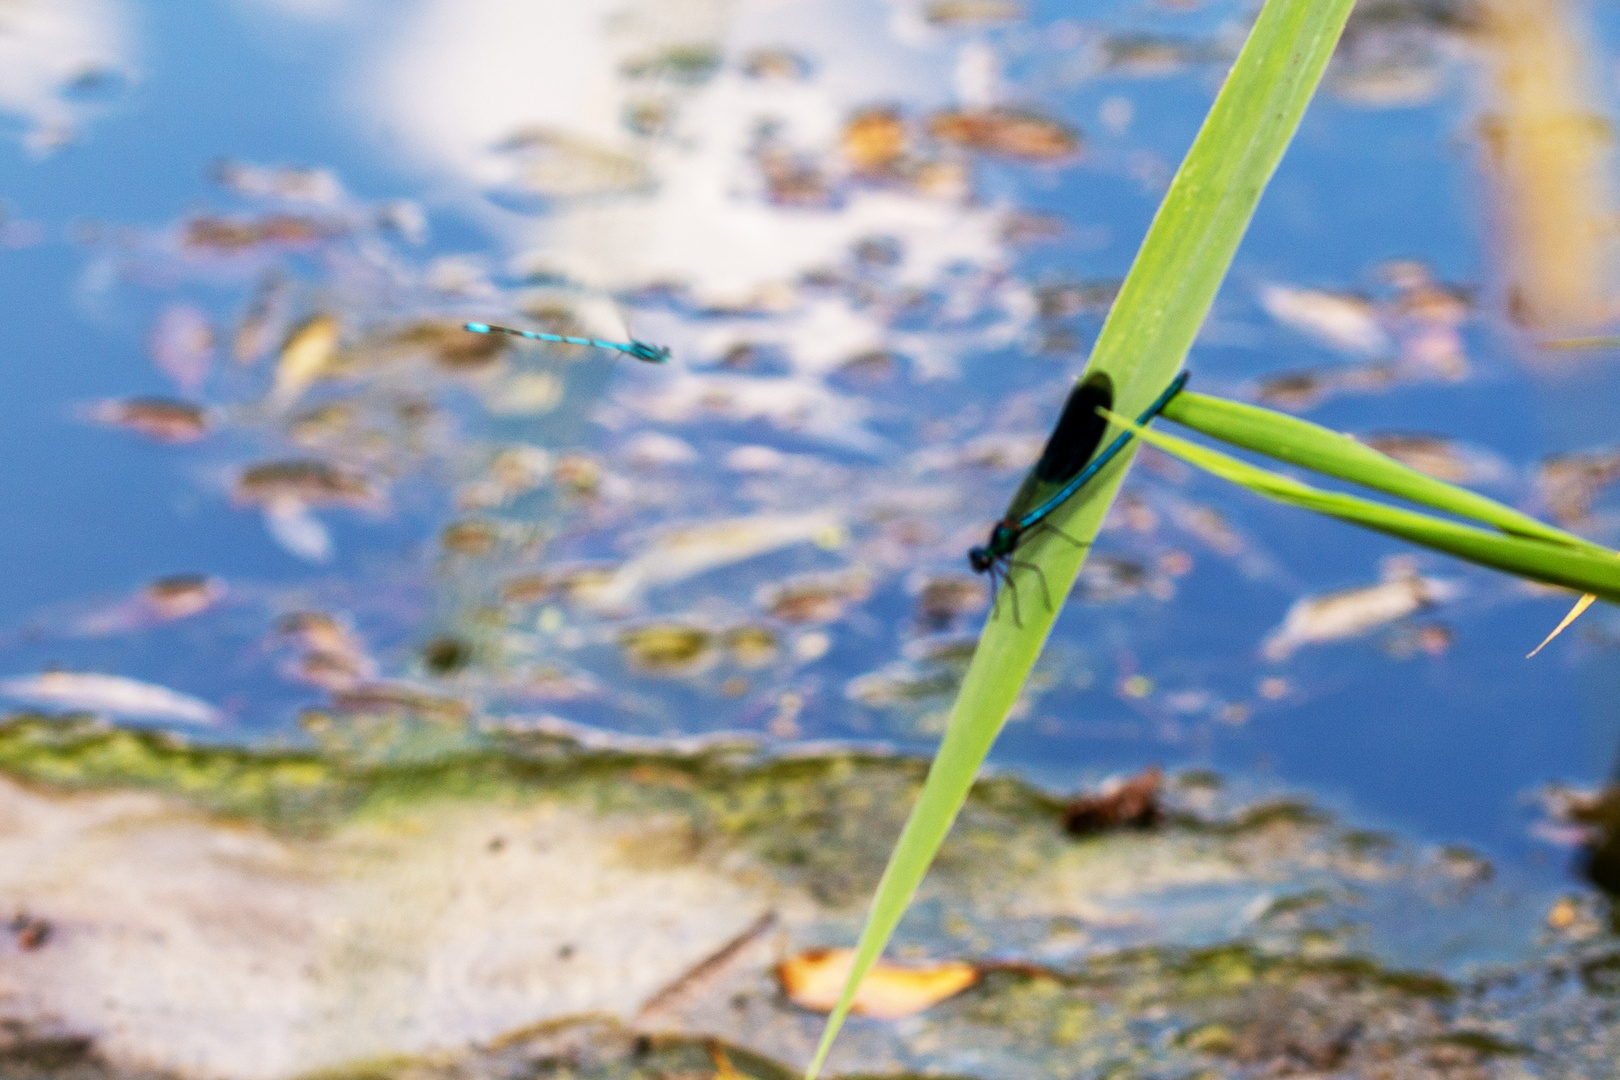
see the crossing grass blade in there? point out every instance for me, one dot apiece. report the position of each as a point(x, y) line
point(1316, 448)
point(1152, 324)
point(1319, 449)
point(1584, 568)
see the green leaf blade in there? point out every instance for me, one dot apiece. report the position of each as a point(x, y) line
point(1551, 563)
point(1161, 305)
point(1319, 449)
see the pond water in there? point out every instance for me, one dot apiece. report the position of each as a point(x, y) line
point(879, 238)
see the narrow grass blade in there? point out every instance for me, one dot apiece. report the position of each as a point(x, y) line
point(1539, 560)
point(1314, 447)
point(1161, 305)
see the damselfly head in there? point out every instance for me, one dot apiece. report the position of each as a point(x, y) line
point(1003, 538)
point(653, 354)
point(612, 313)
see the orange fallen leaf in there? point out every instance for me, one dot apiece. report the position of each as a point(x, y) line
point(815, 979)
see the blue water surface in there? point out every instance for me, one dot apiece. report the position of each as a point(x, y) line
point(1446, 749)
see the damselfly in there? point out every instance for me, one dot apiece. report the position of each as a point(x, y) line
point(1062, 470)
point(652, 354)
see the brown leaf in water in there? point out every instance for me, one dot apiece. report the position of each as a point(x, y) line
point(157, 418)
point(180, 596)
point(230, 235)
point(1023, 135)
point(1133, 804)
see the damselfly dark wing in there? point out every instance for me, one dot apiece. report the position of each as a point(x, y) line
point(1069, 462)
point(1072, 443)
point(1064, 491)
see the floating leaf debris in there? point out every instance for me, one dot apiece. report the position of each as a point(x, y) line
point(159, 418)
point(112, 695)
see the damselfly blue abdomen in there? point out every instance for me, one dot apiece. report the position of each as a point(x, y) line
point(652, 354)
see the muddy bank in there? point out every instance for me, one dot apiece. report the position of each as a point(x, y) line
point(536, 907)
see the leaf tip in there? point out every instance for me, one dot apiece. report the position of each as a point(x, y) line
point(834, 1023)
point(1574, 613)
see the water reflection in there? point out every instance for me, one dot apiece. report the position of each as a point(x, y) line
point(62, 63)
point(1548, 152)
point(880, 240)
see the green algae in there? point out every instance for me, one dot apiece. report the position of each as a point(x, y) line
point(30, 1056)
point(687, 65)
point(276, 788)
point(1189, 975)
point(826, 820)
point(1256, 1010)
point(1297, 904)
point(666, 648)
point(1482, 1043)
point(1175, 1011)
point(1289, 812)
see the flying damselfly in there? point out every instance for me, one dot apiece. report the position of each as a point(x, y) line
point(652, 354)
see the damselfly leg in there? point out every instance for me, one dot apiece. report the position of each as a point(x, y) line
point(1049, 527)
point(1022, 564)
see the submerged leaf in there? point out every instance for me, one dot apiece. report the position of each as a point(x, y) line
point(1350, 613)
point(304, 358)
point(1347, 323)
